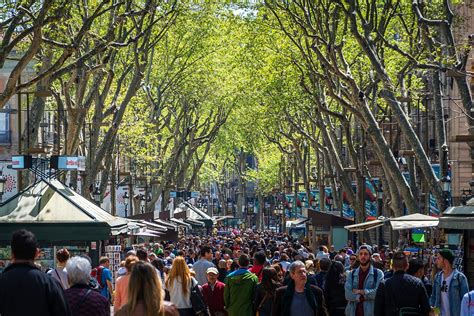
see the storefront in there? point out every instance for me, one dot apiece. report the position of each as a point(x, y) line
point(327, 229)
point(60, 218)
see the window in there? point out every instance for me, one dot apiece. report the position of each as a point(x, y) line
point(5, 127)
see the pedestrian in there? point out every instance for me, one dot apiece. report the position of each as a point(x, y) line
point(279, 271)
point(467, 304)
point(121, 285)
point(265, 292)
point(122, 270)
point(104, 277)
point(332, 252)
point(145, 294)
point(222, 268)
point(142, 254)
point(83, 300)
point(284, 261)
point(24, 288)
point(361, 285)
point(416, 268)
point(322, 253)
point(60, 273)
point(204, 263)
point(240, 289)
point(213, 293)
point(402, 293)
point(449, 285)
point(320, 278)
point(299, 297)
point(179, 284)
point(259, 259)
point(334, 289)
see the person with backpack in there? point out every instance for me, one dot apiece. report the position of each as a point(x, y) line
point(402, 294)
point(467, 304)
point(361, 285)
point(449, 286)
point(104, 277)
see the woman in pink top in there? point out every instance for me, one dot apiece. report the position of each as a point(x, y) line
point(121, 285)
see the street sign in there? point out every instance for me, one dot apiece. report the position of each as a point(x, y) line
point(173, 194)
point(195, 194)
point(21, 162)
point(64, 162)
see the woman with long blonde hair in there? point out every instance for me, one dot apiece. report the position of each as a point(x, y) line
point(145, 294)
point(179, 284)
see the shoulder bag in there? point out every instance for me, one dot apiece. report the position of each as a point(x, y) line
point(197, 301)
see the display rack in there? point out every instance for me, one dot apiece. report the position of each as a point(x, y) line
point(113, 252)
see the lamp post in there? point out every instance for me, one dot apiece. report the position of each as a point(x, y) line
point(3, 181)
point(125, 202)
point(380, 212)
point(142, 203)
point(446, 185)
point(97, 194)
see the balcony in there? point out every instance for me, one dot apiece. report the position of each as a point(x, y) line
point(5, 137)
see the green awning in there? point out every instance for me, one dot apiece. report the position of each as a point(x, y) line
point(54, 212)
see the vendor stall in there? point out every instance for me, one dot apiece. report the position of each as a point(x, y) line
point(59, 217)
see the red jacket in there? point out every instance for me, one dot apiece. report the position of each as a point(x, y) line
point(257, 270)
point(214, 298)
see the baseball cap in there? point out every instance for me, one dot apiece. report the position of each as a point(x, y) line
point(212, 270)
point(447, 254)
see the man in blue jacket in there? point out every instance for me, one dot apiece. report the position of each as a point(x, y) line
point(361, 285)
point(449, 286)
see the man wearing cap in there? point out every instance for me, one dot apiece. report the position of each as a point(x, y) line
point(213, 293)
point(361, 285)
point(449, 286)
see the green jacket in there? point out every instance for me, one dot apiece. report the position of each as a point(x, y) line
point(239, 292)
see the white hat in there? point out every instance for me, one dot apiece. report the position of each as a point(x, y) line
point(212, 270)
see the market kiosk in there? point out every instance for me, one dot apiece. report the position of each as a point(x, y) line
point(60, 218)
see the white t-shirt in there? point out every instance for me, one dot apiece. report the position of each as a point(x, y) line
point(176, 293)
point(60, 274)
point(445, 294)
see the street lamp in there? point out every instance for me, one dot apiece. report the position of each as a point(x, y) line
point(380, 211)
point(125, 201)
point(96, 194)
point(142, 203)
point(3, 181)
point(446, 185)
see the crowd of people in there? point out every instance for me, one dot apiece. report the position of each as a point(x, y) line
point(235, 274)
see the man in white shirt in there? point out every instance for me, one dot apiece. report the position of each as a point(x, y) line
point(449, 286)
